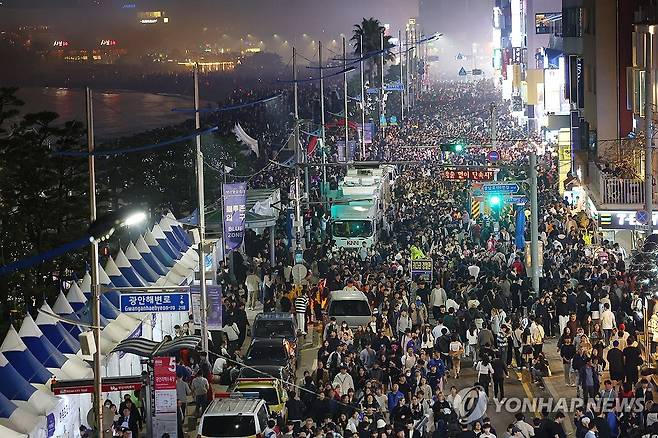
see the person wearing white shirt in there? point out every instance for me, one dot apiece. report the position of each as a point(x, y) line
point(526, 429)
point(437, 331)
point(343, 381)
point(438, 298)
point(252, 282)
point(474, 271)
point(608, 321)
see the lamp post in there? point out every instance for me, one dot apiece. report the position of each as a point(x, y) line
point(100, 229)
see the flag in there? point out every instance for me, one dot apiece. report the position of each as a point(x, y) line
point(243, 137)
point(312, 144)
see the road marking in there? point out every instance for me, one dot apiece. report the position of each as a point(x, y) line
point(526, 389)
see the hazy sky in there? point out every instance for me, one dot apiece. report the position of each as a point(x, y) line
point(259, 17)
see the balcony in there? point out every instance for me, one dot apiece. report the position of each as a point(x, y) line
point(616, 193)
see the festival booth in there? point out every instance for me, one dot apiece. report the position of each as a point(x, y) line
point(46, 349)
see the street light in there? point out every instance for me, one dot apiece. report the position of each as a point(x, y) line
point(99, 230)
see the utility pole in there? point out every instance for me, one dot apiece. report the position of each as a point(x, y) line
point(401, 71)
point(363, 101)
point(406, 64)
point(648, 117)
point(202, 217)
point(494, 130)
point(494, 126)
point(419, 79)
point(382, 107)
point(534, 222)
point(322, 132)
point(95, 280)
point(345, 97)
point(298, 210)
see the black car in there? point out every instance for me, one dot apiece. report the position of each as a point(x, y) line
point(270, 351)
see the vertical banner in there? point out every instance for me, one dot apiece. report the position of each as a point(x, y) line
point(367, 132)
point(340, 146)
point(165, 405)
point(235, 200)
point(519, 238)
point(214, 294)
point(214, 300)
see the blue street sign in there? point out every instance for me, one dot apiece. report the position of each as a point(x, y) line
point(395, 86)
point(155, 302)
point(493, 156)
point(642, 217)
point(462, 72)
point(516, 199)
point(372, 91)
point(393, 121)
point(501, 188)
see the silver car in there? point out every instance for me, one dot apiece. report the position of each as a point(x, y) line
point(349, 306)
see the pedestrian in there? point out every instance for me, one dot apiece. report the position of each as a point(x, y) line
point(536, 337)
point(252, 282)
point(200, 388)
point(499, 375)
point(484, 372)
point(456, 353)
point(567, 352)
point(301, 308)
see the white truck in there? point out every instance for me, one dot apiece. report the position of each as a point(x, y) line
point(358, 215)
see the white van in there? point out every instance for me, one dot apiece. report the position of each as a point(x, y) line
point(349, 306)
point(238, 416)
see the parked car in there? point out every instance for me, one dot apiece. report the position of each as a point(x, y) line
point(270, 352)
point(234, 416)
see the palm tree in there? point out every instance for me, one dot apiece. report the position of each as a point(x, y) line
point(371, 29)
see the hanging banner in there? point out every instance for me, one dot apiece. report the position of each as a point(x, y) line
point(214, 300)
point(368, 129)
point(235, 200)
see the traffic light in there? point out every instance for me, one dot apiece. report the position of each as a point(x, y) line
point(495, 201)
point(457, 147)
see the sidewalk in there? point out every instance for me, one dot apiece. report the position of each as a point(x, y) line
point(555, 384)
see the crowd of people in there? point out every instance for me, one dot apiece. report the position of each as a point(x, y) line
point(401, 374)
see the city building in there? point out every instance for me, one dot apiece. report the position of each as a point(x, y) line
point(153, 17)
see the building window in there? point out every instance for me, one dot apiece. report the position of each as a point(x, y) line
point(572, 22)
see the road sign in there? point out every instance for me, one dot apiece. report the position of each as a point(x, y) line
point(155, 302)
point(462, 72)
point(299, 271)
point(395, 86)
point(642, 227)
point(493, 156)
point(476, 72)
point(642, 217)
point(516, 199)
point(461, 56)
point(422, 269)
point(469, 174)
point(372, 91)
point(501, 188)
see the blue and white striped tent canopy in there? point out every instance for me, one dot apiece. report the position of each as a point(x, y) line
point(48, 347)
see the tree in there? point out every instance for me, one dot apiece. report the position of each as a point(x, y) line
point(371, 29)
point(43, 201)
point(9, 104)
